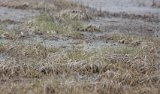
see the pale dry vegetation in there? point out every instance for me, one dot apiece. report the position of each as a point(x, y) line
point(41, 70)
point(132, 67)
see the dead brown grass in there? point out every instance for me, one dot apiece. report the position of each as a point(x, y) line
point(37, 69)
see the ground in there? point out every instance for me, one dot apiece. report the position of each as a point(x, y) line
point(79, 47)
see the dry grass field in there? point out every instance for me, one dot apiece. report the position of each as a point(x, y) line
point(59, 47)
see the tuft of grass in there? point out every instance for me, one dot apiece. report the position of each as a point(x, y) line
point(43, 24)
point(126, 50)
point(36, 51)
point(78, 54)
point(46, 25)
point(4, 33)
point(2, 48)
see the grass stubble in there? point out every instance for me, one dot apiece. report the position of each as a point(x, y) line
point(37, 69)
